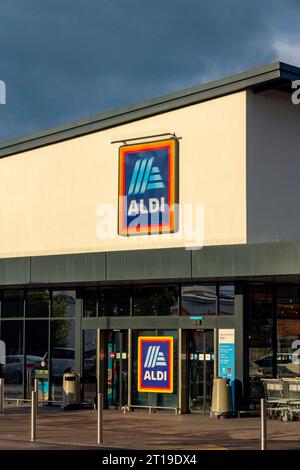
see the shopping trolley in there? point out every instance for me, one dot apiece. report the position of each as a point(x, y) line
point(276, 401)
point(291, 391)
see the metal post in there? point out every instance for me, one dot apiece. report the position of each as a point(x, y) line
point(33, 417)
point(263, 424)
point(216, 373)
point(129, 365)
point(98, 360)
point(179, 367)
point(36, 389)
point(99, 418)
point(121, 370)
point(204, 372)
point(28, 384)
point(1, 395)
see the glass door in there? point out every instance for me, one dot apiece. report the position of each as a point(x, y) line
point(201, 369)
point(117, 368)
point(90, 365)
point(113, 367)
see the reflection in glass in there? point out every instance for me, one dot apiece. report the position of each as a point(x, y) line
point(261, 331)
point(89, 364)
point(12, 304)
point(155, 300)
point(288, 330)
point(117, 368)
point(226, 299)
point(63, 303)
point(37, 303)
point(198, 300)
point(12, 335)
point(115, 301)
point(62, 353)
point(201, 369)
point(36, 345)
point(90, 302)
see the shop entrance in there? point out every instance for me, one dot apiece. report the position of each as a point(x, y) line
point(200, 369)
point(113, 366)
point(117, 368)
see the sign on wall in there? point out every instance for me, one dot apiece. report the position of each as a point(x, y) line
point(148, 188)
point(155, 364)
point(227, 353)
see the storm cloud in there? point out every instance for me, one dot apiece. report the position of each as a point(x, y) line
point(64, 60)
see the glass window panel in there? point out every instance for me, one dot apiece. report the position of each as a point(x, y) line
point(90, 302)
point(198, 300)
point(36, 344)
point(288, 330)
point(155, 300)
point(12, 304)
point(117, 368)
point(200, 369)
point(89, 365)
point(226, 299)
point(12, 335)
point(63, 303)
point(37, 303)
point(261, 331)
point(115, 301)
point(62, 353)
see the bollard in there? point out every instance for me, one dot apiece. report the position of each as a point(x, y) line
point(99, 418)
point(33, 417)
point(263, 424)
point(28, 384)
point(36, 389)
point(1, 395)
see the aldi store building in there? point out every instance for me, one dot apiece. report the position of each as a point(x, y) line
point(94, 245)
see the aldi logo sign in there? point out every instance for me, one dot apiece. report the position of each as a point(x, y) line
point(155, 364)
point(148, 188)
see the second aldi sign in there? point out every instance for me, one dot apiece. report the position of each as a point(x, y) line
point(155, 364)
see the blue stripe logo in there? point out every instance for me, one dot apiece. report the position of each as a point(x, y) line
point(154, 358)
point(145, 176)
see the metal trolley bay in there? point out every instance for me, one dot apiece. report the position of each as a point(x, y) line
point(283, 398)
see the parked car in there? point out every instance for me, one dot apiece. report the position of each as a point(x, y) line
point(263, 366)
point(63, 360)
point(14, 367)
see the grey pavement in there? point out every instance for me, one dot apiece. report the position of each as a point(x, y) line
point(58, 429)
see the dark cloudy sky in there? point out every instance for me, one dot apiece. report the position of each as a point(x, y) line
point(63, 60)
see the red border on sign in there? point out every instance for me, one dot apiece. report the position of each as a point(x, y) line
point(169, 227)
point(157, 339)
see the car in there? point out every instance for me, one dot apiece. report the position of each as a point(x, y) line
point(63, 360)
point(14, 368)
point(263, 366)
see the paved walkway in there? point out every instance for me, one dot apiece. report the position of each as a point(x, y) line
point(77, 430)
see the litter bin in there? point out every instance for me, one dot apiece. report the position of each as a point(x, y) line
point(221, 406)
point(71, 391)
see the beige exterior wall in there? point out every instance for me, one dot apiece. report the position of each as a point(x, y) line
point(273, 167)
point(49, 196)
